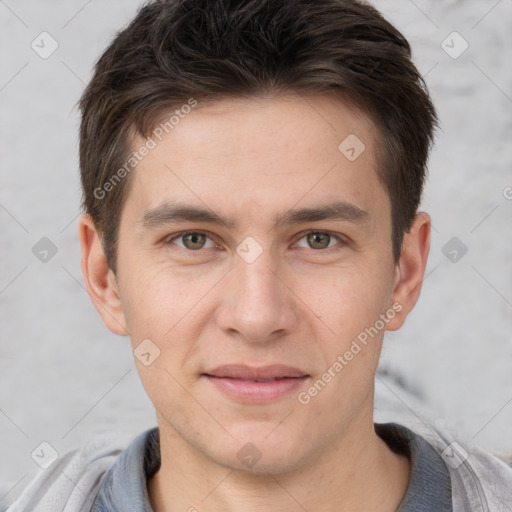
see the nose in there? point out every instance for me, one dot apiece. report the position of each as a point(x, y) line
point(258, 305)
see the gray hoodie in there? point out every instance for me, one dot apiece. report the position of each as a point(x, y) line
point(101, 478)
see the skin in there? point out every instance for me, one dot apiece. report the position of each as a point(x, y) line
point(251, 160)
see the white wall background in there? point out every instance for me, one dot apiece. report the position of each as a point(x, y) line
point(65, 378)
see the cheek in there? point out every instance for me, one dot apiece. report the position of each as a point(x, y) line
point(350, 311)
point(164, 320)
point(169, 307)
point(347, 300)
point(152, 299)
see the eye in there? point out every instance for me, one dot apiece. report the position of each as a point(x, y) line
point(192, 240)
point(319, 240)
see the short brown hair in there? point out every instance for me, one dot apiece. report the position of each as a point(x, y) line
point(177, 50)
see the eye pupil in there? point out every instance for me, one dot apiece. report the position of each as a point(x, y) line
point(318, 240)
point(194, 240)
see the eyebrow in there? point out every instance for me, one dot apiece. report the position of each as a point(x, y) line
point(166, 213)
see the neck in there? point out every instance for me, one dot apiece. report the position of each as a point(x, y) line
point(349, 476)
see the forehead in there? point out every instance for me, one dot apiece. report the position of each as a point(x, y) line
point(242, 154)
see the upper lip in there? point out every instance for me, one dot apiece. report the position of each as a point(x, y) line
point(244, 372)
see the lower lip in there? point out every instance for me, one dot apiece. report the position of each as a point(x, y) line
point(256, 392)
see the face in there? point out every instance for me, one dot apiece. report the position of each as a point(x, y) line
point(255, 260)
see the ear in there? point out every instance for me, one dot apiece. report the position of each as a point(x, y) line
point(410, 269)
point(100, 281)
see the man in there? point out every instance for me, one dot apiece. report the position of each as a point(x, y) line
point(252, 173)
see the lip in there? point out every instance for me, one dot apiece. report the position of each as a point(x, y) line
point(251, 384)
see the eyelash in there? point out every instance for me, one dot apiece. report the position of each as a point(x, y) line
point(341, 241)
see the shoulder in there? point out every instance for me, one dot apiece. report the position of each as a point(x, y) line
point(69, 483)
point(480, 481)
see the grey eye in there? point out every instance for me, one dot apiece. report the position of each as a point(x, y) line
point(318, 240)
point(193, 241)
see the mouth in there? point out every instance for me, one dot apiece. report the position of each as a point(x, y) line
point(256, 384)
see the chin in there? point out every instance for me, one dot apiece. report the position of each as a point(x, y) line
point(263, 450)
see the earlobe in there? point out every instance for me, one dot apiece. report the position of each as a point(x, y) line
point(100, 281)
point(410, 268)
